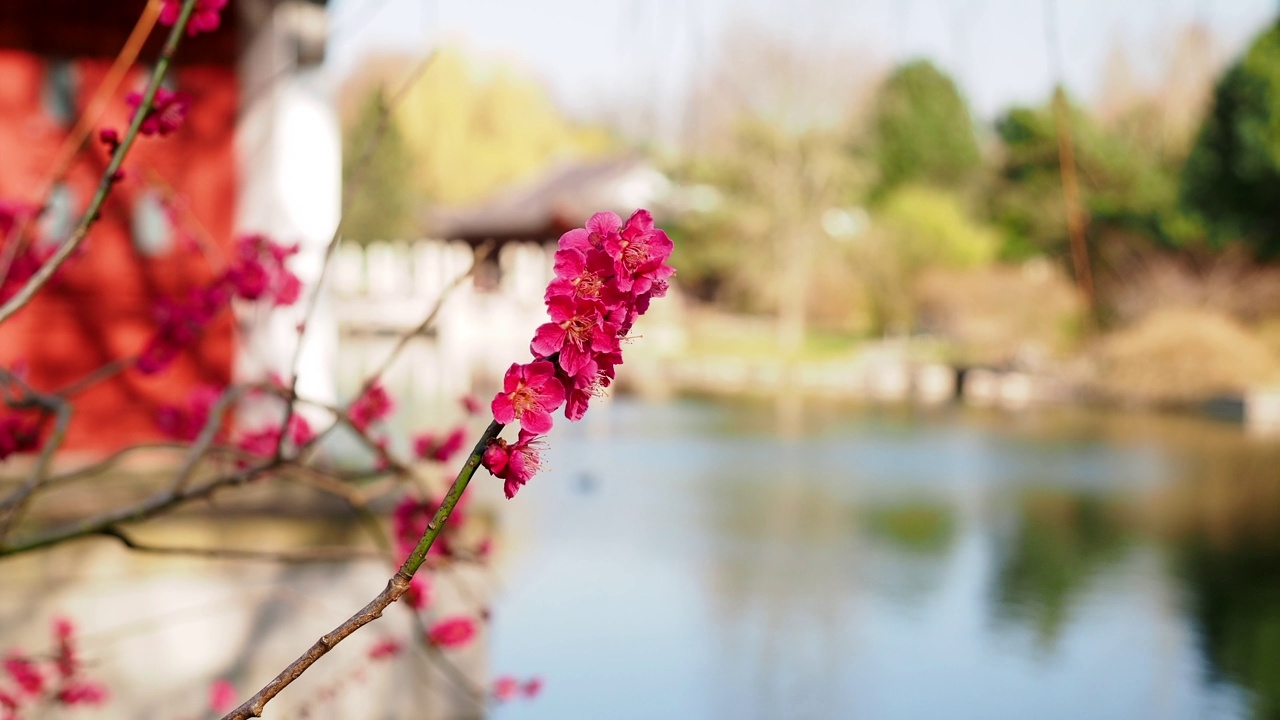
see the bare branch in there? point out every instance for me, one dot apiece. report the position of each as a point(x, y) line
point(481, 254)
point(396, 587)
point(310, 555)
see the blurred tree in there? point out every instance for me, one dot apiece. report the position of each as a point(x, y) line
point(915, 228)
point(382, 198)
point(771, 126)
point(1232, 177)
point(1064, 540)
point(922, 131)
point(1126, 186)
point(1234, 598)
point(758, 248)
point(471, 133)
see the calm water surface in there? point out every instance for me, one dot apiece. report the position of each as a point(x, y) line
point(687, 561)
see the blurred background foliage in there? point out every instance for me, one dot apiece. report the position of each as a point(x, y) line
point(458, 132)
point(871, 201)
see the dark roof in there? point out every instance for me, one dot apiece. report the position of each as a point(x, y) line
point(559, 199)
point(99, 28)
point(94, 28)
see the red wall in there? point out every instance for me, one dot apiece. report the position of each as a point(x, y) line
point(100, 307)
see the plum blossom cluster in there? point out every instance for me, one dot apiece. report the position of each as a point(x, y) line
point(25, 260)
point(184, 422)
point(18, 435)
point(435, 447)
point(205, 18)
point(606, 274)
point(452, 632)
point(168, 111)
point(408, 523)
point(257, 272)
point(264, 441)
point(33, 683)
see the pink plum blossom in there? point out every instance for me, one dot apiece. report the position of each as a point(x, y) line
point(385, 649)
point(576, 331)
point(453, 632)
point(639, 254)
point(373, 405)
point(24, 672)
point(167, 113)
point(505, 688)
point(530, 393)
point(222, 696)
point(532, 688)
point(515, 463)
point(206, 17)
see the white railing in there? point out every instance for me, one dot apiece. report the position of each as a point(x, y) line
point(387, 287)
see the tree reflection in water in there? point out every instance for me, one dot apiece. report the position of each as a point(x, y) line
point(1234, 598)
point(1062, 541)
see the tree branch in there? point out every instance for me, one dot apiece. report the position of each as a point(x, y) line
point(396, 587)
point(311, 555)
point(93, 211)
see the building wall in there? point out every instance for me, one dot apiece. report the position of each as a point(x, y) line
point(100, 307)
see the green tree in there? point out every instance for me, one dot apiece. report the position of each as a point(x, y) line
point(1126, 186)
point(915, 228)
point(922, 131)
point(1232, 177)
point(762, 247)
point(382, 198)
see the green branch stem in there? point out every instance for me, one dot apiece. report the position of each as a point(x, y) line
point(396, 587)
point(91, 213)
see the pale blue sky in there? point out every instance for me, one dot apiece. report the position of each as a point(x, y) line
point(595, 52)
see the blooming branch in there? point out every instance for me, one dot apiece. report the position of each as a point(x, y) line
point(109, 175)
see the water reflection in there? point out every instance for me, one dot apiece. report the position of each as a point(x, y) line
point(1062, 542)
point(687, 560)
point(1234, 598)
point(1060, 565)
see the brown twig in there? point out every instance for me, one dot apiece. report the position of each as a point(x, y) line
point(152, 506)
point(205, 439)
point(105, 372)
point(311, 555)
point(481, 254)
point(15, 504)
point(349, 190)
point(396, 587)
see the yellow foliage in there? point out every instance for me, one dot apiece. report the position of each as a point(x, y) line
point(471, 134)
point(931, 228)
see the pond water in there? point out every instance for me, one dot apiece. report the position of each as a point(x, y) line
point(687, 560)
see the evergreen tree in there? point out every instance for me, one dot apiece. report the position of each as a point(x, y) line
point(922, 131)
point(1232, 178)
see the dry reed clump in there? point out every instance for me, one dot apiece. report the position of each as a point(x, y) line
point(1182, 356)
point(1001, 313)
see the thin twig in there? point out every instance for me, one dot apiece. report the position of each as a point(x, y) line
point(152, 506)
point(310, 555)
point(481, 254)
point(350, 187)
point(396, 587)
point(84, 127)
point(14, 505)
point(105, 372)
point(109, 177)
point(205, 439)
